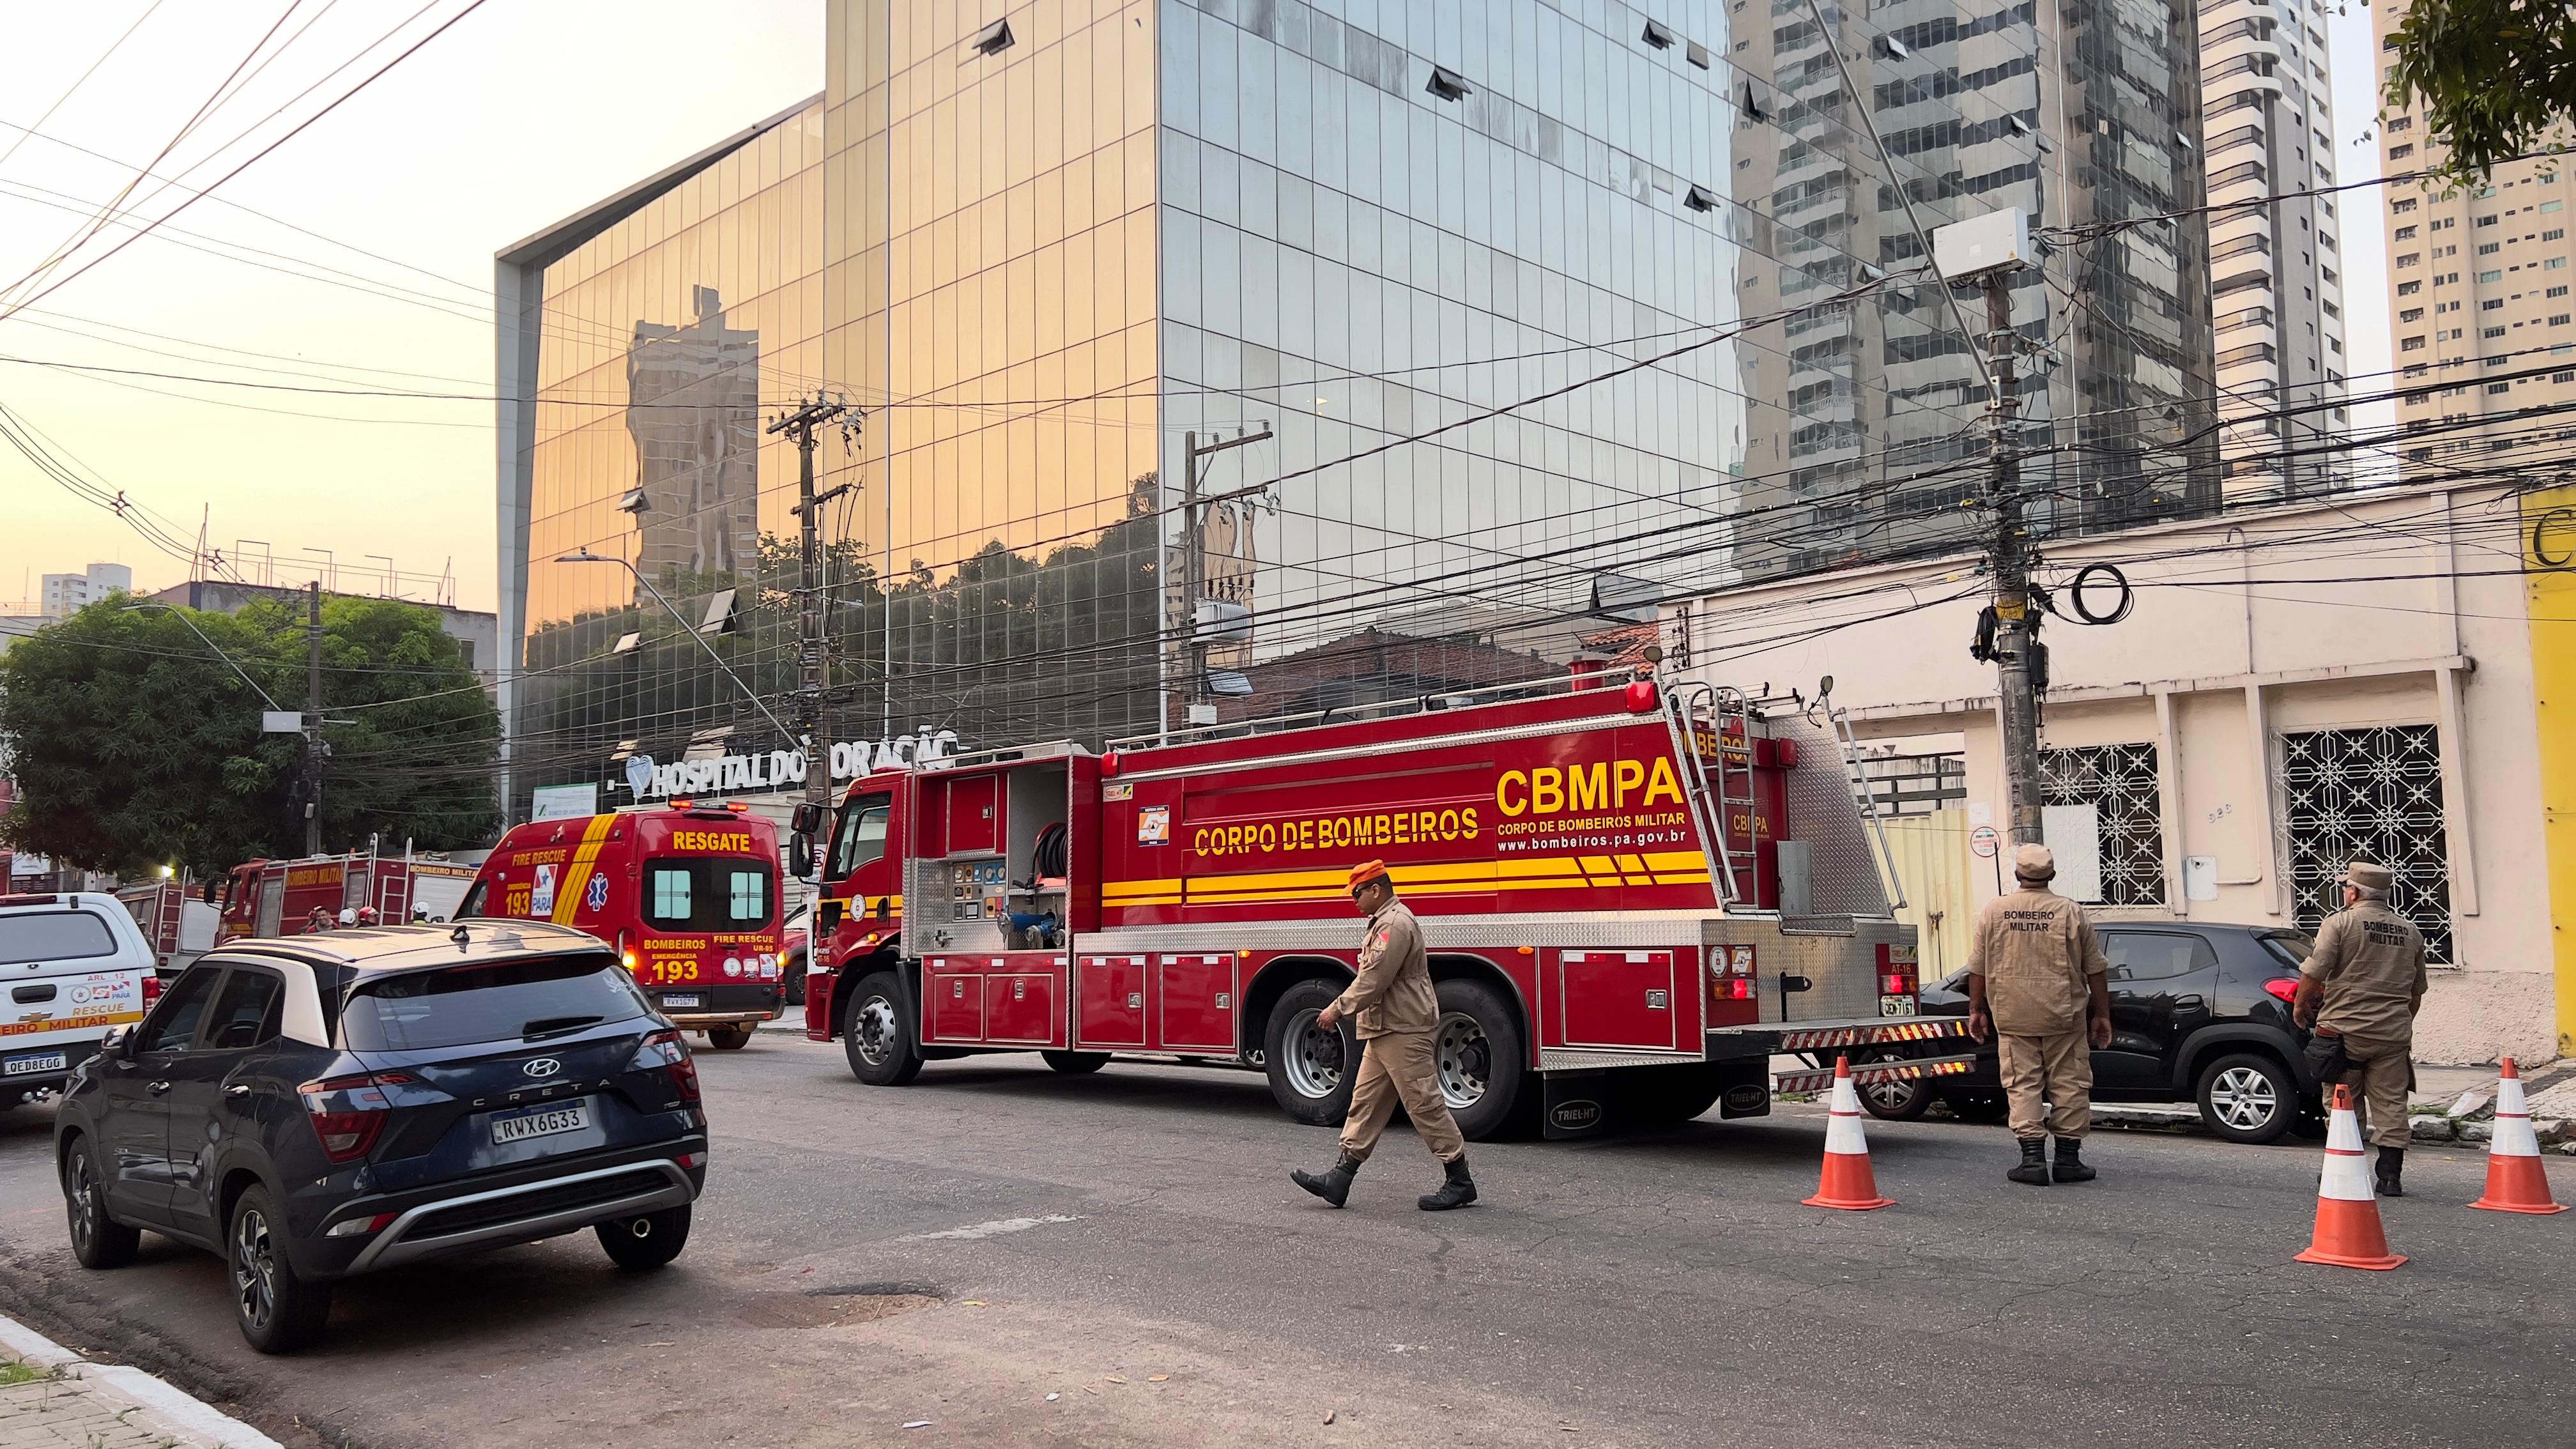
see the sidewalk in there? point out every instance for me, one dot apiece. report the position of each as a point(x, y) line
point(51, 1398)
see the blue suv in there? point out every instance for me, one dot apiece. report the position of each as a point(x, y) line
point(321, 1106)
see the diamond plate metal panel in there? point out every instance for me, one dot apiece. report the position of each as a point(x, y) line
point(1843, 968)
point(1570, 1059)
point(1824, 813)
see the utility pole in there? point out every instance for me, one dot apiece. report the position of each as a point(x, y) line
point(814, 712)
point(1194, 564)
point(313, 746)
point(2016, 630)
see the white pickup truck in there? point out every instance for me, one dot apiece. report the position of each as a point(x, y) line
point(71, 966)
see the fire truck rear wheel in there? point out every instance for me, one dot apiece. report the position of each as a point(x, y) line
point(877, 1035)
point(729, 1038)
point(1481, 1060)
point(1311, 1070)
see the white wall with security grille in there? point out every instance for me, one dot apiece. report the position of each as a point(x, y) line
point(2373, 794)
point(2119, 782)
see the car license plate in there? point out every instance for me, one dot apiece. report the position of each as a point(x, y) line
point(691, 999)
point(34, 1062)
point(1896, 1006)
point(527, 1122)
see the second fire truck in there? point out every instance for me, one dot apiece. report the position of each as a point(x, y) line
point(1634, 895)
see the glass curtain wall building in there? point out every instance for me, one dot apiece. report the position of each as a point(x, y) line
point(1548, 310)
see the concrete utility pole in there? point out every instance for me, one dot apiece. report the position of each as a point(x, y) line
point(1194, 564)
point(2016, 631)
point(314, 749)
point(814, 707)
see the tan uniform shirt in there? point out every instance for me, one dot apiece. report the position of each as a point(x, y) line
point(2035, 948)
point(1393, 990)
point(2371, 962)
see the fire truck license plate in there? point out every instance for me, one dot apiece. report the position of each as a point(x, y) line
point(1896, 1006)
point(529, 1122)
point(34, 1062)
point(692, 999)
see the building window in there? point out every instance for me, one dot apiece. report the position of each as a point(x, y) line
point(2412, 344)
point(2366, 794)
point(2409, 289)
point(2119, 783)
point(2499, 387)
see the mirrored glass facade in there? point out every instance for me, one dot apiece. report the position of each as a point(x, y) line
point(1549, 309)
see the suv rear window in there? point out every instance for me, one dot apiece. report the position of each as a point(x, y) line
point(54, 936)
point(504, 1001)
point(708, 894)
point(2290, 947)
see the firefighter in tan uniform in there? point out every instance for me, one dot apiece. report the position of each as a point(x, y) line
point(2038, 982)
point(2359, 991)
point(1395, 1010)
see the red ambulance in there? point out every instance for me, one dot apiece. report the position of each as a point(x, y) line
point(688, 895)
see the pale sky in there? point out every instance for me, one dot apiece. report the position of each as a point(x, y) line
point(525, 112)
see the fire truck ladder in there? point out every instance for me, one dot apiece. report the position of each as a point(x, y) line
point(1865, 790)
point(1711, 801)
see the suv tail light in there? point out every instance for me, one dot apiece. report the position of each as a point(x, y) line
point(2283, 988)
point(666, 1050)
point(349, 1112)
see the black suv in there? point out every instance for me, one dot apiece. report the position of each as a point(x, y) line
point(2199, 1013)
point(321, 1106)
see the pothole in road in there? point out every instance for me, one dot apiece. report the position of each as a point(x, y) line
point(836, 1307)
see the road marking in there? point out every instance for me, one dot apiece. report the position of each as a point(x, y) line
point(974, 1231)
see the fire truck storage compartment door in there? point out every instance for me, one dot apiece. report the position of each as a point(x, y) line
point(1618, 998)
point(952, 999)
point(1110, 1002)
point(1836, 956)
point(974, 815)
point(1196, 996)
point(1020, 995)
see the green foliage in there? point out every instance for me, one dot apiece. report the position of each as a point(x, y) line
point(2496, 78)
point(134, 746)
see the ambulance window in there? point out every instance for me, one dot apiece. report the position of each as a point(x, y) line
point(473, 905)
point(668, 888)
point(747, 893)
point(863, 833)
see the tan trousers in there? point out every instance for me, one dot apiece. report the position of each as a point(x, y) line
point(1398, 1065)
point(2380, 1072)
point(2057, 1069)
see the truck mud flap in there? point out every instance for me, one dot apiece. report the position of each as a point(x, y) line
point(1577, 1104)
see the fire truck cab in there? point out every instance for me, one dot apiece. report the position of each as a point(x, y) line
point(688, 896)
point(279, 897)
point(1634, 895)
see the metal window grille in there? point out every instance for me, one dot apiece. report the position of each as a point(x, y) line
point(2372, 794)
point(2119, 782)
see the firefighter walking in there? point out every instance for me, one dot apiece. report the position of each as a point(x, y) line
point(2359, 991)
point(1395, 1010)
point(2039, 984)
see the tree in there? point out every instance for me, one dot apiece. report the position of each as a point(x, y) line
point(135, 746)
point(2497, 77)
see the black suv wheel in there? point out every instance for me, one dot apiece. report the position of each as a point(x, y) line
point(277, 1310)
point(2248, 1097)
point(98, 1240)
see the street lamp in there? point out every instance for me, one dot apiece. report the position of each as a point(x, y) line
point(586, 556)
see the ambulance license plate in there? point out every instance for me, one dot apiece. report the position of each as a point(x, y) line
point(691, 999)
point(34, 1062)
point(527, 1122)
point(1896, 1006)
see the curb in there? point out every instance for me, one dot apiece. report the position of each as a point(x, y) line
point(176, 1408)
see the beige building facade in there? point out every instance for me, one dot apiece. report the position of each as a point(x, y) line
point(2294, 686)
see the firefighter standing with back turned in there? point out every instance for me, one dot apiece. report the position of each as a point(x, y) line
point(2359, 991)
point(1395, 1011)
point(2037, 980)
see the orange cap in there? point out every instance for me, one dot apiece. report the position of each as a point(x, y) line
point(1365, 872)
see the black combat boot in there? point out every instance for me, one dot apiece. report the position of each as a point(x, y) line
point(2070, 1167)
point(2034, 1162)
point(1457, 1192)
point(1333, 1186)
point(2392, 1161)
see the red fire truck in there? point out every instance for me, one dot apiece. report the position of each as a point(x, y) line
point(1634, 894)
point(277, 897)
point(687, 894)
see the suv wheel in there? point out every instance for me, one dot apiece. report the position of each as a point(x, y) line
point(648, 1241)
point(277, 1309)
point(1896, 1101)
point(877, 1036)
point(98, 1240)
point(2248, 1098)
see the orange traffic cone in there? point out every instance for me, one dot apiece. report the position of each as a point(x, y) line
point(1848, 1182)
point(2515, 1183)
point(2348, 1233)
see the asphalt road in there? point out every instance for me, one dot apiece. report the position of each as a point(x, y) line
point(1021, 1258)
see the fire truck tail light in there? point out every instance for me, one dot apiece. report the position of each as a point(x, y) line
point(666, 1050)
point(1896, 983)
point(1788, 754)
point(1109, 763)
point(1642, 696)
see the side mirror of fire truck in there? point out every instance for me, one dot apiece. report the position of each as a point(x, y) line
point(808, 819)
point(800, 855)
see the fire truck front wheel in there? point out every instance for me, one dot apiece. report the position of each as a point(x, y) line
point(878, 1034)
point(1311, 1070)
